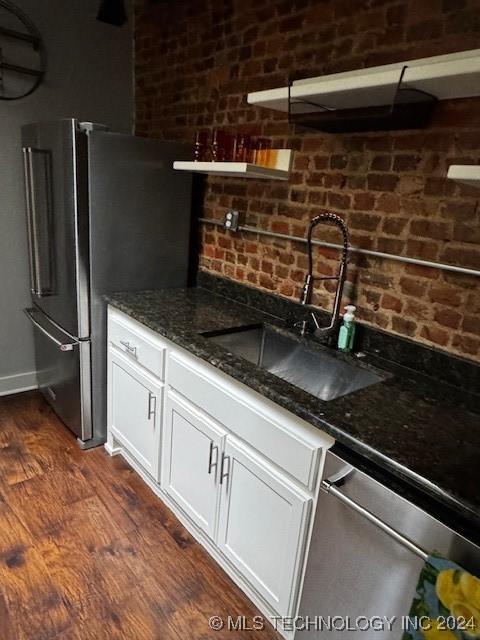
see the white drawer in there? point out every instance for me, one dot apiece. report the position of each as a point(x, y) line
point(292, 444)
point(134, 340)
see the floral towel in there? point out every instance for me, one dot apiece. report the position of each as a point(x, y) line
point(446, 605)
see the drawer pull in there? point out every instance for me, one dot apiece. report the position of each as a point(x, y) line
point(131, 349)
point(211, 464)
point(222, 472)
point(151, 411)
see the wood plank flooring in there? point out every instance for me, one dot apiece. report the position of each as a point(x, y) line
point(88, 552)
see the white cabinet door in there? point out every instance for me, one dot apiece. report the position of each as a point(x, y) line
point(262, 525)
point(135, 409)
point(191, 454)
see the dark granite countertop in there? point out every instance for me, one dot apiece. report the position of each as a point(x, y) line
point(414, 427)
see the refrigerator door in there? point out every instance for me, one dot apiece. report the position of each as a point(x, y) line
point(54, 156)
point(139, 230)
point(63, 371)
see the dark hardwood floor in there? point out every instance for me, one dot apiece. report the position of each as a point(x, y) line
point(88, 552)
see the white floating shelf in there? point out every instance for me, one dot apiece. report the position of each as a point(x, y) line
point(467, 174)
point(281, 171)
point(455, 75)
point(231, 169)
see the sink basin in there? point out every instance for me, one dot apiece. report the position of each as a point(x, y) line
point(325, 375)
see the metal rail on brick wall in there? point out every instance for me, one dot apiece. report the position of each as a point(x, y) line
point(366, 252)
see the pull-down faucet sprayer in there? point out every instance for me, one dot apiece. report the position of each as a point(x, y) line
point(306, 294)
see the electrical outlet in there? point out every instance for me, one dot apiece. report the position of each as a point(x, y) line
point(231, 220)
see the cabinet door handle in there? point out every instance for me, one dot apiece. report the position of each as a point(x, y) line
point(131, 349)
point(211, 464)
point(222, 468)
point(151, 411)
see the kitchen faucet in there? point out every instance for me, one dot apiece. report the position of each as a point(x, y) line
point(306, 294)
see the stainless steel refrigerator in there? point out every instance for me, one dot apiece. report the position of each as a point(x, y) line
point(105, 212)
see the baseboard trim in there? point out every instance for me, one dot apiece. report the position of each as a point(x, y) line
point(18, 383)
point(113, 451)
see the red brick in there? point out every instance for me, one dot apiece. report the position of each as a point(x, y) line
point(321, 162)
point(266, 281)
point(462, 256)
point(364, 201)
point(437, 186)
point(471, 324)
point(466, 344)
point(388, 203)
point(405, 163)
point(381, 143)
point(373, 298)
point(422, 272)
point(422, 250)
point(394, 226)
point(430, 29)
point(251, 247)
point(390, 245)
point(412, 287)
point(339, 200)
point(466, 233)
point(464, 211)
point(382, 182)
point(279, 226)
point(430, 229)
point(377, 279)
point(410, 185)
point(364, 221)
point(404, 326)
point(417, 310)
point(301, 162)
point(408, 142)
point(372, 317)
point(267, 267)
point(381, 163)
point(287, 289)
point(391, 302)
point(281, 271)
point(338, 162)
point(445, 295)
point(448, 318)
point(435, 334)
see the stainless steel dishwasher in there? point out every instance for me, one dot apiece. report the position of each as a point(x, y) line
point(367, 550)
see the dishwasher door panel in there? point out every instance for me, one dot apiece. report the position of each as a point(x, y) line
point(355, 569)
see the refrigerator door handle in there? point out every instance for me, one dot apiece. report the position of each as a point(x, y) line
point(28, 171)
point(37, 287)
point(63, 346)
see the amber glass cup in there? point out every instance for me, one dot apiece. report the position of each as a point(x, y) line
point(218, 145)
point(201, 143)
point(262, 151)
point(242, 148)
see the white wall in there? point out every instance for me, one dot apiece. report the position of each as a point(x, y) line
point(89, 76)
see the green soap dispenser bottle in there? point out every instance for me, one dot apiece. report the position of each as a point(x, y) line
point(347, 330)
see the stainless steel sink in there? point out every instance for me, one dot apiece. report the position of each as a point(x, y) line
point(322, 374)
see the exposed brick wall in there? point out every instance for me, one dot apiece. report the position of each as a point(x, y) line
point(195, 62)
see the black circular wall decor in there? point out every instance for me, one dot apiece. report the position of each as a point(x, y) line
point(22, 56)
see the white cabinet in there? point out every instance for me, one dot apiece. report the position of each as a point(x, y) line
point(134, 411)
point(263, 516)
point(190, 469)
point(263, 524)
point(239, 471)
